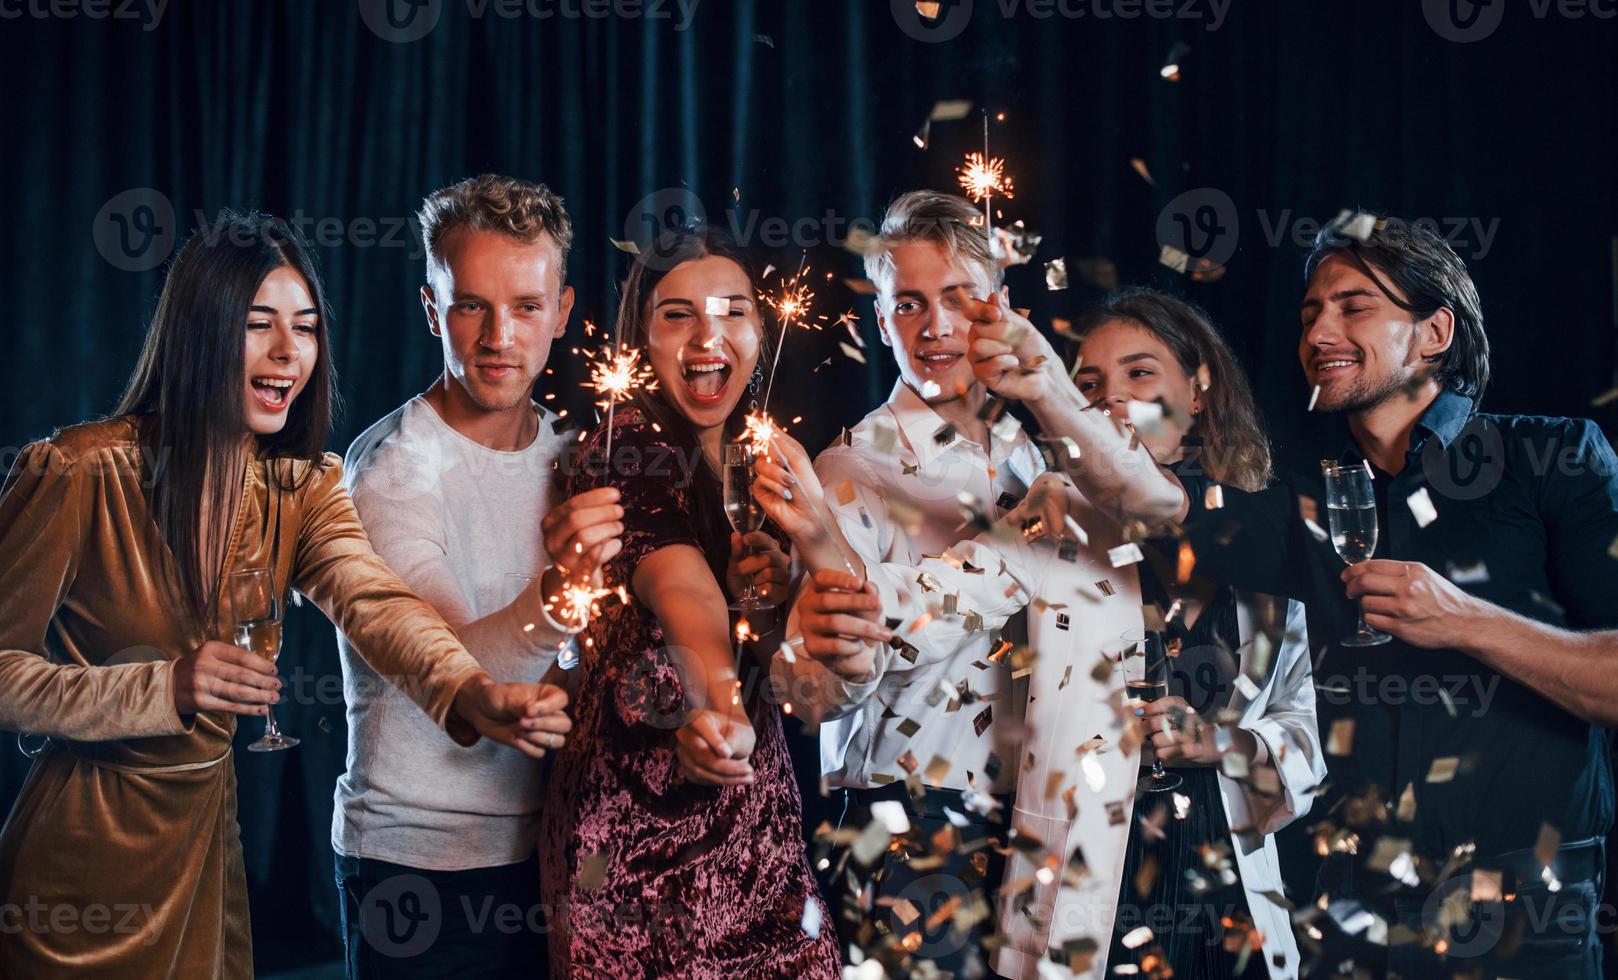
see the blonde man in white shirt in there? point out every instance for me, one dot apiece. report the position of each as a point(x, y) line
point(936, 704)
point(435, 844)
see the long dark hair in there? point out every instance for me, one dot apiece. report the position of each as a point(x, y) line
point(1417, 260)
point(186, 392)
point(671, 250)
point(1234, 448)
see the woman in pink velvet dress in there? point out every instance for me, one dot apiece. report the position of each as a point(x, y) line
point(672, 843)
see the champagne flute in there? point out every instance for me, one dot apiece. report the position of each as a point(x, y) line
point(1351, 512)
point(1146, 679)
point(256, 608)
point(744, 513)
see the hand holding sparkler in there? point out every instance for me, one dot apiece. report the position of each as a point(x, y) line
point(790, 493)
point(840, 616)
point(1008, 353)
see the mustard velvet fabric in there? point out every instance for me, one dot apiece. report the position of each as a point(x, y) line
point(122, 856)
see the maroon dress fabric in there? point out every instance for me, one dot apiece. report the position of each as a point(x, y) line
point(649, 874)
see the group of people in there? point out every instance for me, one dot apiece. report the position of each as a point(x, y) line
point(966, 613)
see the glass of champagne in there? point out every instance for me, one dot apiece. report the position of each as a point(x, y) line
point(256, 608)
point(743, 511)
point(1146, 679)
point(1351, 512)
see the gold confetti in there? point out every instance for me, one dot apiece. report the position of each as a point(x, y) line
point(1443, 770)
point(1105, 587)
point(716, 306)
point(949, 110)
point(1173, 258)
point(1140, 168)
point(1407, 804)
point(1605, 398)
point(592, 871)
point(850, 352)
point(1314, 396)
point(1545, 847)
point(1341, 739)
point(1213, 497)
point(629, 247)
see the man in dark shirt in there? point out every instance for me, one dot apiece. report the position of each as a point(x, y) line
point(1469, 765)
point(1470, 789)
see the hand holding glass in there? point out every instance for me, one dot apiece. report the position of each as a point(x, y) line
point(256, 608)
point(1351, 512)
point(1146, 679)
point(743, 511)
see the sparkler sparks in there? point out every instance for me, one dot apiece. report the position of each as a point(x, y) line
point(760, 432)
point(579, 602)
point(982, 177)
point(614, 374)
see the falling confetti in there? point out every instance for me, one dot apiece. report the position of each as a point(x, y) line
point(1056, 275)
point(1421, 505)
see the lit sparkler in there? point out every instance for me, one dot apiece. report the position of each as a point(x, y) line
point(791, 305)
point(614, 374)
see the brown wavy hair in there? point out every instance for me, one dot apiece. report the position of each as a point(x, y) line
point(1234, 449)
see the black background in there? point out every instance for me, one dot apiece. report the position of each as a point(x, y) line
point(777, 111)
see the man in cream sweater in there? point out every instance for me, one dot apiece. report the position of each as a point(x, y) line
point(435, 844)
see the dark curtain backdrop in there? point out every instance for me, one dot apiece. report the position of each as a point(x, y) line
point(118, 134)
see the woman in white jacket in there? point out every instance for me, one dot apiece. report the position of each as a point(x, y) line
point(1101, 876)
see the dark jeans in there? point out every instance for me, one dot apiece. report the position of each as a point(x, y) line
point(1537, 935)
point(400, 922)
point(910, 901)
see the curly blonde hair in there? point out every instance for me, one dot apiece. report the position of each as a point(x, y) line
point(519, 208)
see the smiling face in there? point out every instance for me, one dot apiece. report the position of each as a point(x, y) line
point(1122, 361)
point(926, 330)
point(703, 359)
point(1359, 346)
point(281, 350)
point(497, 304)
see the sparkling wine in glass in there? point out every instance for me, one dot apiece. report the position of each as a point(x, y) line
point(743, 511)
point(1146, 679)
point(1351, 513)
point(256, 608)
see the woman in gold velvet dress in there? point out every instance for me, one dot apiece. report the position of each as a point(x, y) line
point(121, 857)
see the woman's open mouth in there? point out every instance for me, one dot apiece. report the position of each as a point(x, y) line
point(273, 393)
point(706, 380)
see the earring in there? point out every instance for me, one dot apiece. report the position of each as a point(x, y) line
point(757, 378)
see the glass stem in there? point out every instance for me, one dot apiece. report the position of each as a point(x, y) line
point(271, 730)
point(1363, 627)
